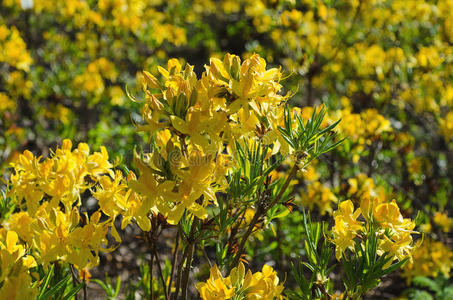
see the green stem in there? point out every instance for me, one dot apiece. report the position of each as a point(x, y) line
point(74, 279)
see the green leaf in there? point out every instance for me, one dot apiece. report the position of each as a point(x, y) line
point(118, 285)
point(73, 291)
point(46, 282)
point(101, 283)
point(60, 286)
point(427, 282)
point(421, 295)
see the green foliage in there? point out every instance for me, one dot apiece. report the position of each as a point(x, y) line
point(309, 139)
point(111, 291)
point(58, 286)
point(426, 288)
point(319, 253)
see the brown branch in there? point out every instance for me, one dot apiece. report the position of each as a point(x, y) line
point(262, 210)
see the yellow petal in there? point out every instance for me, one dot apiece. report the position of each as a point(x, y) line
point(11, 241)
point(29, 262)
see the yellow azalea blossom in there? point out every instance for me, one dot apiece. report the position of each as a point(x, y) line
point(260, 285)
point(215, 288)
point(343, 237)
point(367, 205)
point(112, 194)
point(394, 232)
point(348, 215)
point(446, 126)
point(62, 177)
point(15, 280)
point(398, 245)
point(388, 215)
point(47, 191)
point(13, 48)
point(193, 121)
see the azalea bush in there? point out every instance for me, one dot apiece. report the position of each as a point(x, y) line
point(226, 149)
point(216, 144)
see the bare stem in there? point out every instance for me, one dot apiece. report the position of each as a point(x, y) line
point(179, 274)
point(185, 279)
point(159, 268)
point(173, 262)
point(151, 292)
point(84, 289)
point(190, 252)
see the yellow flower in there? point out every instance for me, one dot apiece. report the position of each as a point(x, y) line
point(15, 279)
point(49, 220)
point(443, 221)
point(13, 49)
point(446, 126)
point(112, 194)
point(346, 227)
point(6, 104)
point(215, 288)
point(260, 285)
point(388, 215)
point(398, 245)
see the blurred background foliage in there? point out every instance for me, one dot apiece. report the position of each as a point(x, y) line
point(385, 67)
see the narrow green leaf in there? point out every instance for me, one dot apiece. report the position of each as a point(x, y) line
point(57, 288)
point(46, 281)
point(73, 291)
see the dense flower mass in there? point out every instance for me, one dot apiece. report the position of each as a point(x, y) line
point(196, 123)
point(48, 192)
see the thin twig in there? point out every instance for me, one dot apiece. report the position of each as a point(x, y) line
point(206, 256)
point(85, 292)
point(156, 255)
point(173, 262)
point(151, 292)
point(185, 278)
point(191, 248)
point(179, 274)
point(74, 279)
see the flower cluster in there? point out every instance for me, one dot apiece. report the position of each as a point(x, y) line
point(47, 194)
point(394, 231)
point(13, 48)
point(240, 285)
point(15, 264)
point(195, 124)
